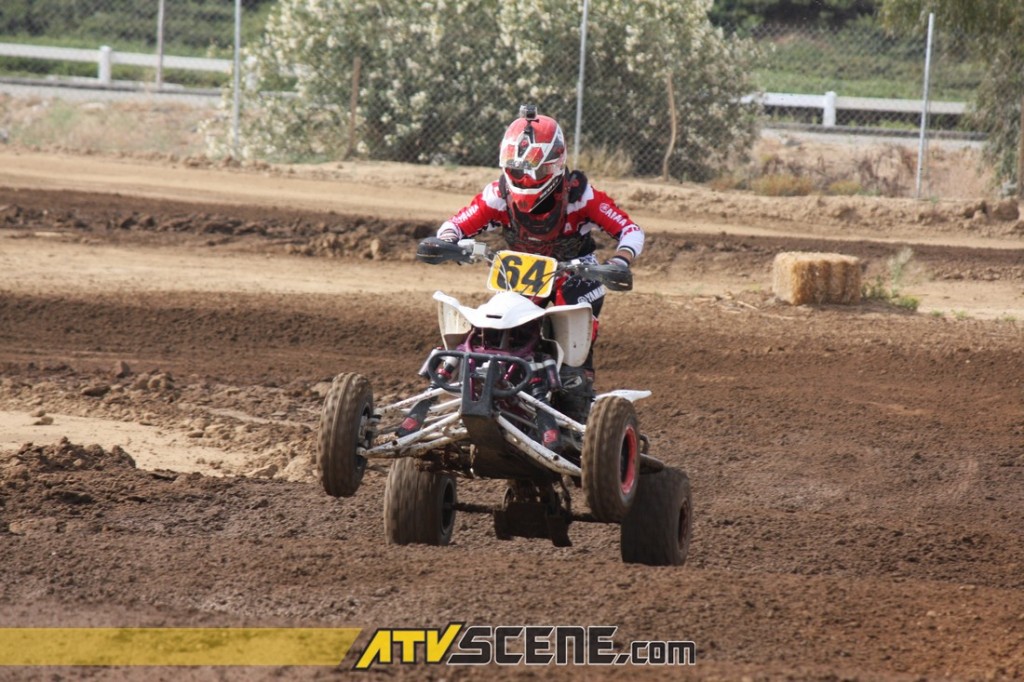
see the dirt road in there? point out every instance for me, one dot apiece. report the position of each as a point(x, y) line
point(857, 471)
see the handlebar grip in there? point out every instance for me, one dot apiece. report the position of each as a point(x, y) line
point(614, 277)
point(619, 279)
point(434, 250)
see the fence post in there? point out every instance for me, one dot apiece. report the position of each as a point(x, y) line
point(673, 130)
point(251, 79)
point(924, 104)
point(106, 61)
point(160, 45)
point(579, 85)
point(1020, 153)
point(236, 100)
point(353, 106)
point(828, 116)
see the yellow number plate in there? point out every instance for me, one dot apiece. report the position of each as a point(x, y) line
point(523, 273)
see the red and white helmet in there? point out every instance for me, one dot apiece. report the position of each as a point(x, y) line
point(532, 157)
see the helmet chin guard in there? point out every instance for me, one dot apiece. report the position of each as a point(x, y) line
point(544, 222)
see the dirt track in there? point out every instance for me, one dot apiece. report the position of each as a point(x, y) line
point(857, 472)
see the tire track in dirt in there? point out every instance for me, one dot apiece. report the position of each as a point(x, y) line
point(853, 519)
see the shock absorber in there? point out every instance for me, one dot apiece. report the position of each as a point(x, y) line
point(445, 369)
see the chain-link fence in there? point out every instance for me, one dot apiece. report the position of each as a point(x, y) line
point(664, 93)
point(860, 63)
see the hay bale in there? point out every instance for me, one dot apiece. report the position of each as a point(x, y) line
point(801, 278)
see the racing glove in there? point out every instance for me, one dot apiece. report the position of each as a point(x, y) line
point(619, 277)
point(449, 234)
point(621, 262)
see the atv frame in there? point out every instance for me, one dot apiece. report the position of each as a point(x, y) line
point(477, 419)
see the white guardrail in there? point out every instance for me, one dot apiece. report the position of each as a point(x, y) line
point(830, 102)
point(105, 57)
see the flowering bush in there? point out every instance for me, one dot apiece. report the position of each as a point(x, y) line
point(633, 49)
point(438, 80)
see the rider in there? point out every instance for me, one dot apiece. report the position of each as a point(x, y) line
point(545, 209)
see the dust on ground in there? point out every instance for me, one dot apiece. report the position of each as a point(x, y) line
point(856, 470)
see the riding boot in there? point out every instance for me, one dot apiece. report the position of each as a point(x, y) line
point(547, 429)
point(577, 392)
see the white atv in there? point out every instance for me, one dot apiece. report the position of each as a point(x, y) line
point(491, 407)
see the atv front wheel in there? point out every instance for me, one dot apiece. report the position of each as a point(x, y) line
point(657, 530)
point(344, 426)
point(419, 506)
point(611, 459)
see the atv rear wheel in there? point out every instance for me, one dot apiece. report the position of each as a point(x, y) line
point(611, 459)
point(657, 530)
point(419, 506)
point(345, 425)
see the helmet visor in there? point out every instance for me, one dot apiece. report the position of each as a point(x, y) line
point(529, 178)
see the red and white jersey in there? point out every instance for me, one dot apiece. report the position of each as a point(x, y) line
point(586, 208)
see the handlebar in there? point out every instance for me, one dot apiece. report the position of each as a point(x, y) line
point(434, 250)
point(615, 277)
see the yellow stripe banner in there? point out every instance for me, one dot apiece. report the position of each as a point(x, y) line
point(175, 646)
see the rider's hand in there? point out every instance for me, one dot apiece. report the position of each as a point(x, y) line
point(449, 235)
point(618, 261)
point(618, 276)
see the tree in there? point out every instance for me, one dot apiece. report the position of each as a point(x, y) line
point(994, 31)
point(425, 89)
point(633, 49)
point(438, 80)
point(748, 13)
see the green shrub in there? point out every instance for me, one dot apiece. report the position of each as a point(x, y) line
point(888, 289)
point(907, 302)
point(431, 91)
